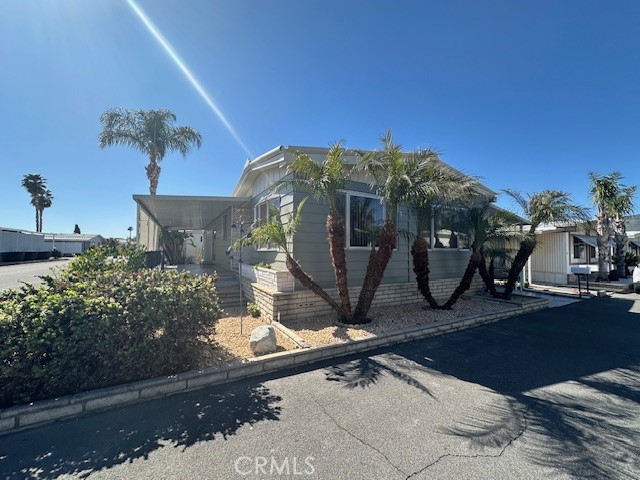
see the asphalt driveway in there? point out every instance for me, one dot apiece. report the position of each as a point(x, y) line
point(550, 394)
point(13, 276)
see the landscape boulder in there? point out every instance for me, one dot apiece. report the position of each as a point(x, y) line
point(263, 340)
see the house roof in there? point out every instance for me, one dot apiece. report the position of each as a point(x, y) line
point(71, 237)
point(593, 241)
point(186, 212)
point(276, 157)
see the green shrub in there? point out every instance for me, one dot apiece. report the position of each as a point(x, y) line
point(88, 329)
point(263, 265)
point(55, 253)
point(124, 258)
point(253, 310)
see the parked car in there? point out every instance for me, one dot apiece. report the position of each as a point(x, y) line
point(636, 278)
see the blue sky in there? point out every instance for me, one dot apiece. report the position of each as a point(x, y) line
point(529, 94)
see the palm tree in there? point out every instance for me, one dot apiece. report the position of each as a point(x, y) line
point(43, 200)
point(486, 225)
point(613, 202)
point(433, 184)
point(324, 181)
point(548, 206)
point(152, 132)
point(622, 206)
point(494, 251)
point(280, 234)
point(604, 190)
point(35, 185)
point(387, 168)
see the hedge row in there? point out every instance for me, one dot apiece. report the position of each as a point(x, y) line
point(99, 325)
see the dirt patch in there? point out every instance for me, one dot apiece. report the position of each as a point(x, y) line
point(325, 330)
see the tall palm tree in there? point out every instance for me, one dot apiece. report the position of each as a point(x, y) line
point(152, 132)
point(486, 225)
point(279, 233)
point(548, 206)
point(387, 168)
point(623, 205)
point(603, 192)
point(433, 184)
point(43, 200)
point(324, 181)
point(35, 185)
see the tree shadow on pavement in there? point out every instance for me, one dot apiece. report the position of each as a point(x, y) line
point(568, 377)
point(367, 371)
point(126, 434)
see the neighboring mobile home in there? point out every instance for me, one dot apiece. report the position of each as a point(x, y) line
point(561, 248)
point(72, 243)
point(220, 221)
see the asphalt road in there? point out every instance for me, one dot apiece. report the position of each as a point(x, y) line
point(551, 394)
point(11, 276)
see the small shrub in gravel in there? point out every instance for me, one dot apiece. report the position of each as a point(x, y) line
point(253, 310)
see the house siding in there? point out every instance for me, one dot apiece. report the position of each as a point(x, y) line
point(550, 259)
point(311, 249)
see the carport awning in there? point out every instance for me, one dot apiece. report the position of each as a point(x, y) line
point(186, 212)
point(587, 239)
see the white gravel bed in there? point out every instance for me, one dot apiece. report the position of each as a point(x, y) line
point(325, 329)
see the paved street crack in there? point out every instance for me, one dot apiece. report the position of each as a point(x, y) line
point(352, 435)
point(480, 455)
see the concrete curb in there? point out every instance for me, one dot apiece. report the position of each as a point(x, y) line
point(293, 336)
point(25, 262)
point(21, 417)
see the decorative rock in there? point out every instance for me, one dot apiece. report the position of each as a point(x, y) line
point(263, 340)
point(602, 293)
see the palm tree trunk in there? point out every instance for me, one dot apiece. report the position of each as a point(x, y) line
point(294, 268)
point(336, 230)
point(153, 174)
point(465, 282)
point(37, 220)
point(620, 238)
point(524, 252)
point(420, 255)
point(602, 240)
point(40, 222)
point(488, 276)
point(378, 260)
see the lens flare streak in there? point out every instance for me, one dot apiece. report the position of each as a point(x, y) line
point(187, 73)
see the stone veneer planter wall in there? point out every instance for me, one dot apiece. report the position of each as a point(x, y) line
point(297, 304)
point(275, 280)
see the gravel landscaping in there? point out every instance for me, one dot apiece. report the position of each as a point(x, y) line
point(232, 347)
point(325, 330)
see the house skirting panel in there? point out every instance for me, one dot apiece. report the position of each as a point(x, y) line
point(303, 303)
